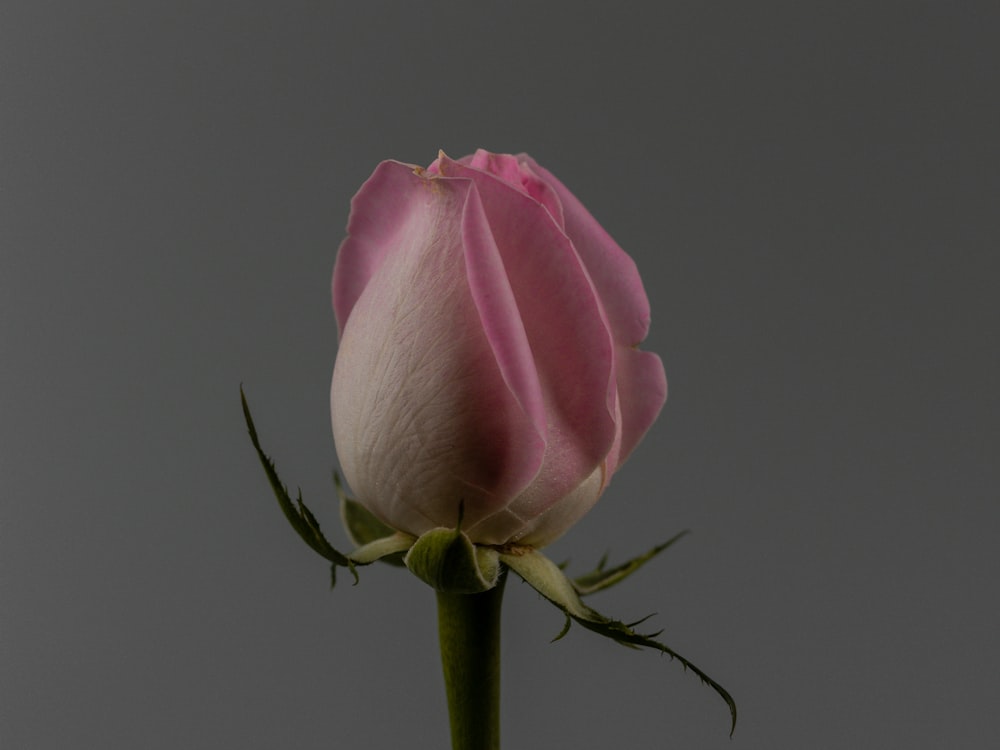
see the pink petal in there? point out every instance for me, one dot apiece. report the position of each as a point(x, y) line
point(379, 213)
point(642, 391)
point(423, 415)
point(519, 175)
point(498, 312)
point(613, 272)
point(561, 516)
point(642, 384)
point(566, 329)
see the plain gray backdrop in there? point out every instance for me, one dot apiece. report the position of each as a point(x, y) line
point(810, 191)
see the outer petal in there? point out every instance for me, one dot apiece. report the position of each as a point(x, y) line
point(613, 272)
point(380, 212)
point(422, 415)
point(642, 391)
point(519, 174)
point(642, 383)
point(567, 332)
point(561, 516)
point(498, 312)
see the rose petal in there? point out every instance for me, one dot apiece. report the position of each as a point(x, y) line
point(567, 332)
point(642, 390)
point(498, 312)
point(613, 272)
point(642, 384)
point(380, 212)
point(423, 418)
point(558, 519)
point(518, 174)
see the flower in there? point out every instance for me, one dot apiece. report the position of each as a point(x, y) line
point(488, 332)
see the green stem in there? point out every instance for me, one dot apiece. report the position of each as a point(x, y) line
point(469, 632)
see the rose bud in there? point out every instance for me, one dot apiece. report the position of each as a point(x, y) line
point(488, 332)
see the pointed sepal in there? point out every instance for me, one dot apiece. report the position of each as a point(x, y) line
point(549, 580)
point(448, 561)
point(600, 578)
point(387, 549)
point(298, 515)
point(362, 526)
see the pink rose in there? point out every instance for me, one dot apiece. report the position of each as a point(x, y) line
point(488, 333)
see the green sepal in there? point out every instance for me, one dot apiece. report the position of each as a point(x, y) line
point(362, 526)
point(448, 561)
point(562, 633)
point(387, 549)
point(360, 523)
point(600, 578)
point(548, 580)
point(298, 515)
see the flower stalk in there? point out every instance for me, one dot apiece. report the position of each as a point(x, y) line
point(469, 633)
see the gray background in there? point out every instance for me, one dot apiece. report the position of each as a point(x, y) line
point(810, 192)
